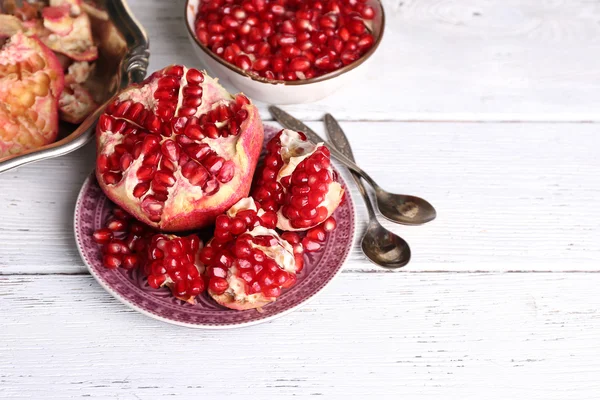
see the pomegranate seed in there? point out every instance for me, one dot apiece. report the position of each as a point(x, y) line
point(291, 237)
point(272, 291)
point(244, 62)
point(102, 236)
point(368, 12)
point(217, 285)
point(299, 64)
point(111, 261)
point(141, 189)
point(194, 76)
point(310, 246)
point(329, 224)
point(130, 261)
point(317, 234)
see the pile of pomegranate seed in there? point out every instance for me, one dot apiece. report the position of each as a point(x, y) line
point(173, 262)
point(286, 39)
point(123, 241)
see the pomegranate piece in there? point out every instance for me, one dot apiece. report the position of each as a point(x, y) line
point(297, 181)
point(78, 44)
point(286, 40)
point(178, 150)
point(58, 19)
point(75, 104)
point(174, 262)
point(31, 81)
point(247, 262)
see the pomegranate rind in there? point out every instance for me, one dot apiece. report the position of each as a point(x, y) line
point(187, 208)
point(28, 109)
point(77, 44)
point(58, 20)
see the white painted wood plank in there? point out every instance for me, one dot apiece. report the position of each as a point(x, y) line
point(450, 60)
point(426, 336)
point(509, 197)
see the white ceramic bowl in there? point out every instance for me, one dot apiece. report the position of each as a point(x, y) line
point(282, 92)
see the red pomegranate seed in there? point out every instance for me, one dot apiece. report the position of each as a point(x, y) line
point(272, 291)
point(317, 234)
point(102, 236)
point(194, 76)
point(310, 246)
point(329, 224)
point(130, 261)
point(217, 285)
point(111, 261)
point(291, 237)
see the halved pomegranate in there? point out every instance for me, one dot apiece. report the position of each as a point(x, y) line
point(247, 262)
point(174, 262)
point(178, 150)
point(31, 81)
point(297, 181)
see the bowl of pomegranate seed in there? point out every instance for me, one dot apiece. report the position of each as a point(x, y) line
point(286, 51)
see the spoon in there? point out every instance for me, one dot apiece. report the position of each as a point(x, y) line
point(400, 208)
point(381, 246)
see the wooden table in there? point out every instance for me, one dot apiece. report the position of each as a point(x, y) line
point(487, 109)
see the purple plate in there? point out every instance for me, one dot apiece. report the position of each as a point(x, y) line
point(131, 288)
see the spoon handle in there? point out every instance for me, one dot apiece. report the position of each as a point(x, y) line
point(290, 122)
point(339, 140)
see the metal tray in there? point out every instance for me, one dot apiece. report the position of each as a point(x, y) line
point(123, 47)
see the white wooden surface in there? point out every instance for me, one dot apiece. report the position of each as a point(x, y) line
point(487, 109)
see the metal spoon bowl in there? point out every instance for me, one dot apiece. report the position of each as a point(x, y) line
point(385, 248)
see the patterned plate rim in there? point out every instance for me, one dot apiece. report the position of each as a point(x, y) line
point(230, 325)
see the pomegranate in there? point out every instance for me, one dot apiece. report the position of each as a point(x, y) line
point(31, 81)
point(247, 262)
point(297, 181)
point(174, 262)
point(178, 150)
point(286, 39)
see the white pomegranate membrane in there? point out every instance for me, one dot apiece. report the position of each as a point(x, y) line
point(178, 150)
point(297, 181)
point(286, 39)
